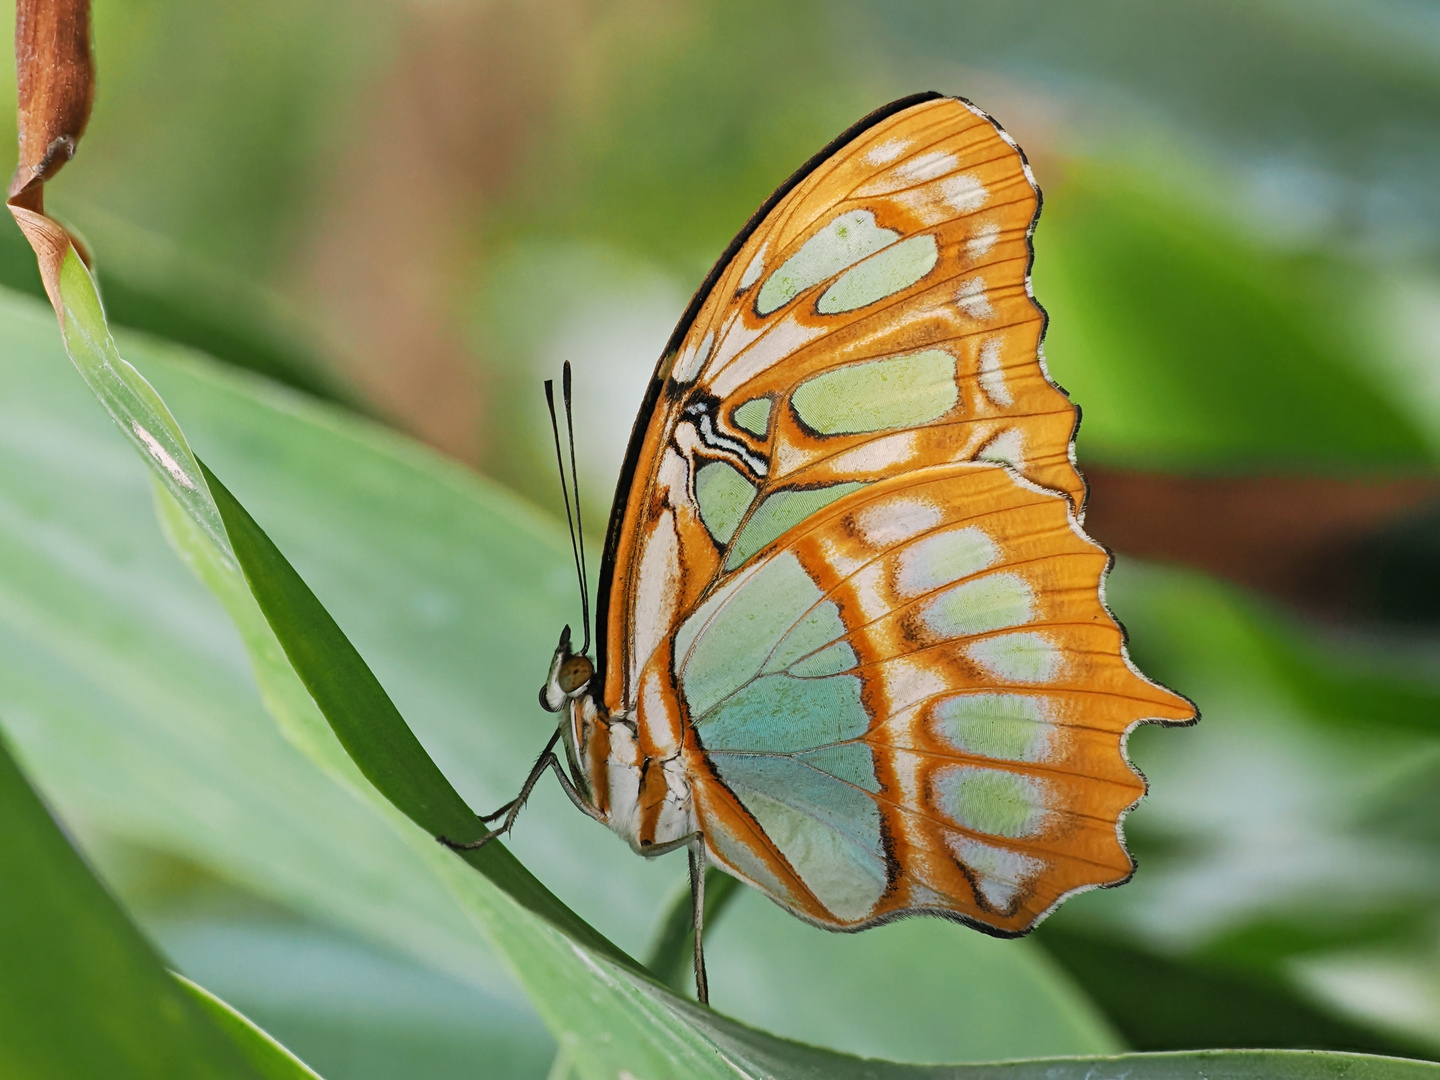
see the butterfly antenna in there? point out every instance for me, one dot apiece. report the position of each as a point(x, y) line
point(575, 548)
point(579, 519)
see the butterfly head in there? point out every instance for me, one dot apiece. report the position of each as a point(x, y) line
point(570, 674)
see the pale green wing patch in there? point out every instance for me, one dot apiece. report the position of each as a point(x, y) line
point(780, 512)
point(992, 801)
point(1024, 657)
point(879, 395)
point(884, 274)
point(1010, 727)
point(781, 714)
point(843, 242)
point(754, 416)
point(766, 676)
point(760, 665)
point(993, 602)
point(943, 557)
point(828, 830)
point(724, 495)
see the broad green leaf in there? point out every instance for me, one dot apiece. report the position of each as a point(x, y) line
point(352, 699)
point(352, 1010)
point(81, 991)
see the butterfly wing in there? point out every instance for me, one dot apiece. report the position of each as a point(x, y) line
point(844, 578)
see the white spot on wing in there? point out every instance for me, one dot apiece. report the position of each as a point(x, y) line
point(888, 522)
point(869, 594)
point(623, 774)
point(672, 479)
point(992, 373)
point(886, 152)
point(963, 193)
point(1007, 448)
point(693, 359)
point(972, 300)
point(654, 710)
point(982, 239)
point(877, 454)
point(840, 562)
point(755, 269)
point(929, 166)
point(774, 344)
point(908, 681)
point(655, 592)
point(935, 203)
point(999, 874)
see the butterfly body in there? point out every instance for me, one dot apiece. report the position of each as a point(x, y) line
point(852, 636)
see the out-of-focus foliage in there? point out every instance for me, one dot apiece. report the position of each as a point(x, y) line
point(83, 993)
point(1240, 254)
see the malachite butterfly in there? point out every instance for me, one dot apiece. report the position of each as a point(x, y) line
point(852, 640)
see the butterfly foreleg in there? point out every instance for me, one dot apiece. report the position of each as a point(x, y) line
point(487, 818)
point(511, 810)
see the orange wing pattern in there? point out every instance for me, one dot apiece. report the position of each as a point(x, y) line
point(983, 777)
point(867, 350)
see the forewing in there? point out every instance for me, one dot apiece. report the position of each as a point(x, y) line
point(876, 317)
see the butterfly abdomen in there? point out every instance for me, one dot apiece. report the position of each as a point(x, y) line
point(644, 797)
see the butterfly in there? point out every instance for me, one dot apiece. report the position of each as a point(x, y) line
point(852, 642)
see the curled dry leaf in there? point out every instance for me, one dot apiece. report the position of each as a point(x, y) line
point(55, 79)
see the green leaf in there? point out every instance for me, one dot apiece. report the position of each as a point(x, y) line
point(131, 401)
point(81, 991)
point(367, 724)
point(266, 1056)
point(352, 699)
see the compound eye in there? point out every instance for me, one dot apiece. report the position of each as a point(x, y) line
point(575, 673)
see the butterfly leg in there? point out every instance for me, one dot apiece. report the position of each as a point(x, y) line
point(487, 818)
point(697, 910)
point(694, 843)
point(511, 810)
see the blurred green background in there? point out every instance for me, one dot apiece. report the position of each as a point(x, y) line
point(412, 212)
